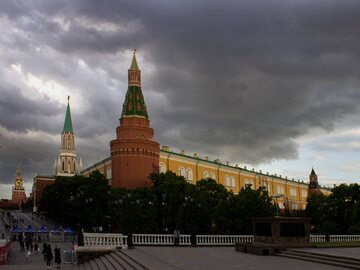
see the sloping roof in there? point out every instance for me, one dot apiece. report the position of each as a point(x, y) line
point(134, 104)
point(68, 123)
point(134, 64)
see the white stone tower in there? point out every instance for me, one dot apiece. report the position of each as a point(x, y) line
point(67, 164)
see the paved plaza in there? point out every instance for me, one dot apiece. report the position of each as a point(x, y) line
point(191, 258)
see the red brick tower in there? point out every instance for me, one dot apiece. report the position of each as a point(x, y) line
point(18, 191)
point(314, 187)
point(134, 153)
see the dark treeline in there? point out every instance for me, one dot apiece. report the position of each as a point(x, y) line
point(204, 208)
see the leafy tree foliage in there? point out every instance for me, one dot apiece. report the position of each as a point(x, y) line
point(78, 200)
point(172, 202)
point(338, 213)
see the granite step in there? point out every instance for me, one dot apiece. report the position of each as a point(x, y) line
point(321, 258)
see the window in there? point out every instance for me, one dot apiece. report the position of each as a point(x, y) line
point(232, 181)
point(249, 183)
point(162, 167)
point(269, 188)
point(182, 171)
point(205, 174)
point(189, 174)
point(293, 192)
point(212, 175)
point(294, 206)
point(280, 189)
point(227, 181)
point(304, 193)
point(108, 173)
point(281, 205)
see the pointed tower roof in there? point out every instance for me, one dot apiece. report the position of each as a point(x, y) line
point(18, 173)
point(312, 172)
point(68, 122)
point(134, 104)
point(134, 64)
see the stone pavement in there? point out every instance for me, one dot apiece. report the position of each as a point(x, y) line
point(224, 258)
point(191, 258)
point(36, 261)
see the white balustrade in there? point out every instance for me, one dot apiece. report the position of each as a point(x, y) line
point(222, 240)
point(317, 238)
point(205, 240)
point(344, 238)
point(109, 240)
point(159, 239)
point(105, 240)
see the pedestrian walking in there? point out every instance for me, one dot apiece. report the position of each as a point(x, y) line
point(44, 250)
point(49, 256)
point(176, 237)
point(21, 242)
point(57, 256)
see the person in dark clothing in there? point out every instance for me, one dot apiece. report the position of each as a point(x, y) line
point(44, 251)
point(57, 256)
point(21, 242)
point(49, 255)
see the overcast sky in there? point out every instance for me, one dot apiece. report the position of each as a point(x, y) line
point(272, 84)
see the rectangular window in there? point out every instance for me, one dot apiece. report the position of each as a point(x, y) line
point(280, 189)
point(293, 192)
point(304, 194)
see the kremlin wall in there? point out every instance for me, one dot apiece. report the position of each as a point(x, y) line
point(135, 154)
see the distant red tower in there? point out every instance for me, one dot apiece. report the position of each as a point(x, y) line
point(314, 187)
point(134, 153)
point(18, 191)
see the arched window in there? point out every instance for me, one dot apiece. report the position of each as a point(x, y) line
point(63, 166)
point(69, 166)
point(189, 174)
point(182, 171)
point(212, 175)
point(162, 167)
point(205, 174)
point(227, 181)
point(232, 181)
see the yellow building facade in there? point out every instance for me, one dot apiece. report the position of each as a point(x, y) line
point(287, 193)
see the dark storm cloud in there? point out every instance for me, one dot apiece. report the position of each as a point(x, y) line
point(239, 80)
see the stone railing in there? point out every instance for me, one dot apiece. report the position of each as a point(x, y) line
point(316, 238)
point(185, 239)
point(112, 241)
point(222, 240)
point(345, 238)
point(159, 239)
point(105, 240)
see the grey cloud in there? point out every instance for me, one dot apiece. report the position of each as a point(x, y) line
point(240, 80)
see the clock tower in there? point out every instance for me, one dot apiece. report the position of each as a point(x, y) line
point(18, 191)
point(314, 187)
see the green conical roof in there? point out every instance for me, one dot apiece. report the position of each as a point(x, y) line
point(134, 104)
point(68, 122)
point(134, 65)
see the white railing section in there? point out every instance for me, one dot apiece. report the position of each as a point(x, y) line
point(316, 238)
point(159, 239)
point(222, 240)
point(108, 240)
point(344, 238)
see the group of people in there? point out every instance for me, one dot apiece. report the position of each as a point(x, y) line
point(47, 252)
point(49, 255)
